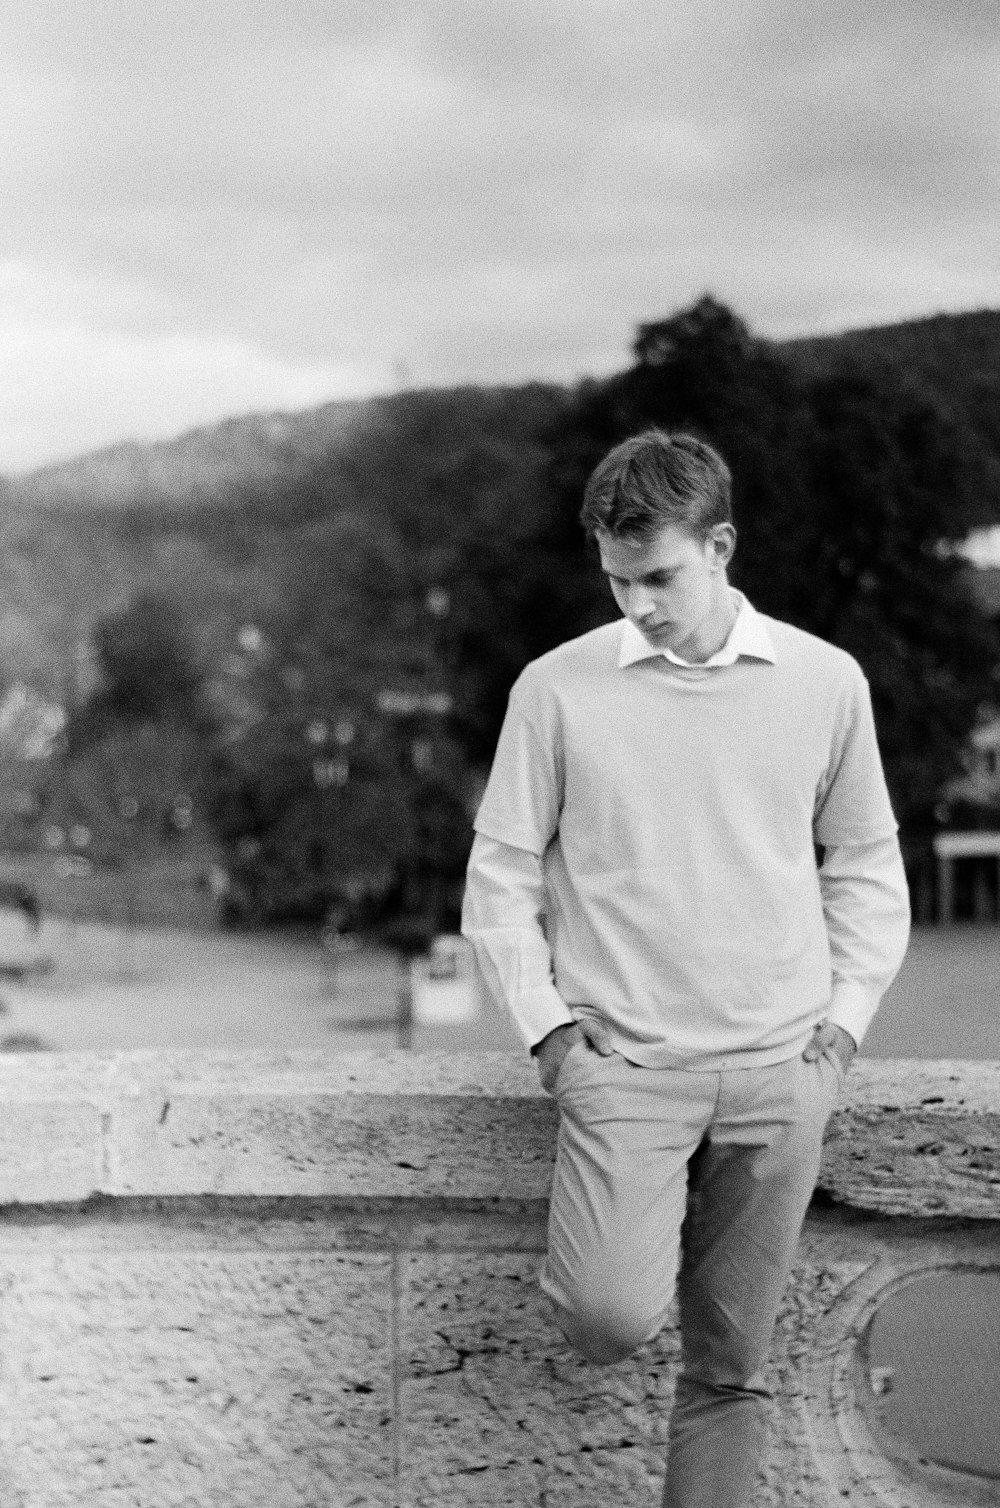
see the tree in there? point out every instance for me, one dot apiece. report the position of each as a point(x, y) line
point(409, 617)
point(305, 797)
point(134, 789)
point(886, 479)
point(848, 487)
point(131, 773)
point(147, 674)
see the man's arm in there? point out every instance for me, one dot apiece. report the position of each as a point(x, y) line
point(503, 917)
point(504, 907)
point(867, 910)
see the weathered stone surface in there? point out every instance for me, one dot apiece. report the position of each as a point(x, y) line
point(53, 1115)
point(917, 1138)
point(367, 1124)
point(323, 1143)
point(159, 1380)
point(146, 1373)
point(498, 1409)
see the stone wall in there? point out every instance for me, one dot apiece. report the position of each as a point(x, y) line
point(303, 1281)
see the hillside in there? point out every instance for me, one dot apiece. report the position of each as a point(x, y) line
point(191, 469)
point(217, 465)
point(955, 356)
point(221, 518)
point(958, 355)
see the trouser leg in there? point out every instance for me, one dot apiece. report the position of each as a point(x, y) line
point(618, 1197)
point(750, 1187)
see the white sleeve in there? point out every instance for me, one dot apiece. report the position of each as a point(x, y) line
point(867, 909)
point(503, 917)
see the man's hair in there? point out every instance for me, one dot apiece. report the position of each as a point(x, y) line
point(655, 479)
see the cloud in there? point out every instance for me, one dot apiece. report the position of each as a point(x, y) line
point(494, 192)
point(74, 386)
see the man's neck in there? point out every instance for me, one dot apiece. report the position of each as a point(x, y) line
point(711, 635)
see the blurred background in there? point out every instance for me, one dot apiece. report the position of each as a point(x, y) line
point(315, 319)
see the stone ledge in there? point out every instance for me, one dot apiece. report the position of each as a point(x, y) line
point(910, 1137)
point(913, 1137)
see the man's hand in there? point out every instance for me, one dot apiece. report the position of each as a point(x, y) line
point(827, 1039)
point(551, 1051)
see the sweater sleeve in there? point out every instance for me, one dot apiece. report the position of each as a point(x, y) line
point(523, 798)
point(852, 800)
point(503, 917)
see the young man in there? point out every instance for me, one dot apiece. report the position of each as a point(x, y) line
point(643, 894)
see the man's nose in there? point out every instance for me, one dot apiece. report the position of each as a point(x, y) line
point(640, 604)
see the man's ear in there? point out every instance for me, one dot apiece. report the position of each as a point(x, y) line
point(721, 542)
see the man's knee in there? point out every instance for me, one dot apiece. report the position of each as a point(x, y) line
point(605, 1331)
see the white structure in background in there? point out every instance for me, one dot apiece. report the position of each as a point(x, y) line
point(29, 724)
point(979, 783)
point(951, 846)
point(982, 547)
point(445, 984)
point(978, 786)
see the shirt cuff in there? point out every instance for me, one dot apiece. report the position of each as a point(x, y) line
point(539, 1011)
point(852, 1006)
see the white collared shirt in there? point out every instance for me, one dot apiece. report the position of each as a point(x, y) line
point(749, 637)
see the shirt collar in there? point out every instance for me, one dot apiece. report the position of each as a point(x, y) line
point(749, 637)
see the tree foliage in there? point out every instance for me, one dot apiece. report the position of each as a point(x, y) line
point(334, 646)
point(848, 486)
point(147, 673)
point(137, 748)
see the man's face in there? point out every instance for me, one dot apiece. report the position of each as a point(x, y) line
point(673, 587)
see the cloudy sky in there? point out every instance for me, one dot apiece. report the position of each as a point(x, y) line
point(214, 206)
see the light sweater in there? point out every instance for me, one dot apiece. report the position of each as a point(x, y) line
point(644, 847)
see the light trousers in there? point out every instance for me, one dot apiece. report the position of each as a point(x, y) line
point(668, 1179)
